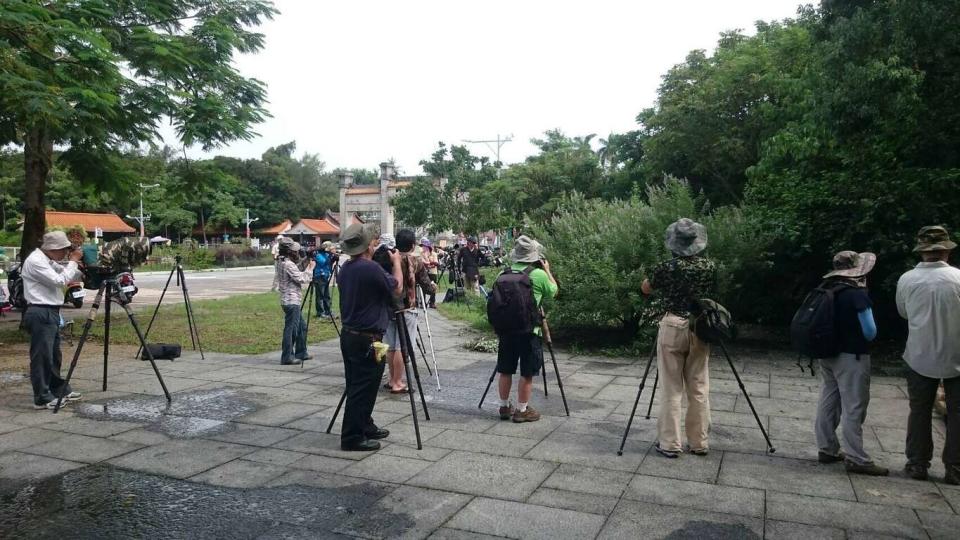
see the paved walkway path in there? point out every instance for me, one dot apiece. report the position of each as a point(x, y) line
point(242, 452)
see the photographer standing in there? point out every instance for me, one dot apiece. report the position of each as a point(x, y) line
point(468, 259)
point(682, 358)
point(44, 278)
point(322, 271)
point(366, 305)
point(525, 348)
point(432, 264)
point(290, 280)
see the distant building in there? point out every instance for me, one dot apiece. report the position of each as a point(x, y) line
point(310, 232)
point(110, 226)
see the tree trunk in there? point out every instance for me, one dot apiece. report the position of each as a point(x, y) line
point(37, 161)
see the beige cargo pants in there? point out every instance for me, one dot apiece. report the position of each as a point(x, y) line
point(682, 359)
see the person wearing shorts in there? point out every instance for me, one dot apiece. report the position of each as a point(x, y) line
point(524, 350)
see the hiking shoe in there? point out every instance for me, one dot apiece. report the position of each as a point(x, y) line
point(529, 415)
point(826, 458)
point(917, 472)
point(507, 412)
point(698, 452)
point(672, 454)
point(952, 475)
point(52, 404)
point(73, 396)
point(869, 469)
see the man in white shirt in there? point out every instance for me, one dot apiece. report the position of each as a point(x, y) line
point(929, 298)
point(44, 279)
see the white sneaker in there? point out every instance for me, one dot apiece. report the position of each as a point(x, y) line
point(49, 405)
point(73, 396)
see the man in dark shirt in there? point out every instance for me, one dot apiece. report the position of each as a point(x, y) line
point(468, 259)
point(845, 384)
point(366, 296)
point(682, 358)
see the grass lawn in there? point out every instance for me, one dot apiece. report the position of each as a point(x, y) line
point(472, 309)
point(243, 324)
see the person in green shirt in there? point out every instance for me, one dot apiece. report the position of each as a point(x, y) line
point(524, 349)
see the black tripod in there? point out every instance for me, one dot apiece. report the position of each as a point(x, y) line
point(110, 292)
point(309, 299)
point(191, 322)
point(406, 352)
point(643, 381)
point(549, 341)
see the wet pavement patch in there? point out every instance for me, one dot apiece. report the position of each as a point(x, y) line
point(190, 414)
point(103, 502)
point(698, 530)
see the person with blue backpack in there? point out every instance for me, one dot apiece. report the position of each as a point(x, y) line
point(322, 271)
point(835, 324)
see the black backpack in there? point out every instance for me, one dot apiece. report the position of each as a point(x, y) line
point(511, 307)
point(813, 330)
point(712, 322)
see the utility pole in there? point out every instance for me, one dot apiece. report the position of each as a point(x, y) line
point(141, 218)
point(496, 150)
point(248, 221)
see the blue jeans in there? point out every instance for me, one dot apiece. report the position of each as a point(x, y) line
point(294, 334)
point(322, 296)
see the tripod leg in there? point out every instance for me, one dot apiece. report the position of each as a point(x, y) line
point(157, 309)
point(91, 315)
point(406, 343)
point(191, 319)
point(653, 394)
point(489, 383)
point(546, 393)
point(643, 381)
point(336, 411)
point(433, 353)
point(106, 340)
point(401, 331)
point(423, 351)
point(743, 389)
point(143, 343)
point(334, 322)
point(556, 370)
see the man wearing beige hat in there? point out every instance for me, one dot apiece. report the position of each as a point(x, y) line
point(44, 278)
point(845, 378)
point(928, 297)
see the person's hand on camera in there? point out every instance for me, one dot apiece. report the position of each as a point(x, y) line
point(545, 264)
point(75, 255)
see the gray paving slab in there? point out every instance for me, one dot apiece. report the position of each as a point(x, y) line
point(820, 511)
point(274, 456)
point(786, 475)
point(182, 458)
point(93, 428)
point(785, 530)
point(27, 437)
point(590, 451)
point(711, 497)
point(518, 520)
point(310, 442)
point(446, 533)
point(590, 480)
point(386, 468)
point(939, 525)
point(573, 500)
point(281, 414)
point(634, 519)
point(686, 467)
point(428, 453)
point(482, 442)
point(141, 436)
point(313, 462)
point(6, 427)
point(485, 475)
point(528, 430)
point(253, 434)
point(240, 473)
point(901, 492)
point(21, 467)
point(427, 508)
point(82, 448)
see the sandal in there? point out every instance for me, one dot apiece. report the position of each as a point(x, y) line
point(401, 391)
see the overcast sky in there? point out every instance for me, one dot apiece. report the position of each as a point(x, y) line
point(364, 81)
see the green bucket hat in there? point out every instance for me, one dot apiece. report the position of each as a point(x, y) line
point(357, 237)
point(934, 238)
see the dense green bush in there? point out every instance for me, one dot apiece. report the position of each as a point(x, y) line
point(601, 251)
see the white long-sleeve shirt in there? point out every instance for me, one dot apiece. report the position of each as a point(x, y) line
point(928, 297)
point(44, 280)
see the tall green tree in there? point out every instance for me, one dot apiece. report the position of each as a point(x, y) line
point(95, 75)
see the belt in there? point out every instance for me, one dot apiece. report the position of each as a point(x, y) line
point(48, 306)
point(365, 333)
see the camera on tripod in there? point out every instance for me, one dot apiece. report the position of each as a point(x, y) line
point(115, 266)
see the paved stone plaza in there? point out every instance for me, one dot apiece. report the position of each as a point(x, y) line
point(242, 452)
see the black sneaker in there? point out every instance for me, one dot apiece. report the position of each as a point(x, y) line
point(826, 458)
point(365, 446)
point(380, 433)
point(917, 472)
point(672, 454)
point(952, 475)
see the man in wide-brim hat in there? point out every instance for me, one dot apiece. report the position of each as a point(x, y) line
point(845, 378)
point(682, 358)
point(366, 300)
point(44, 278)
point(929, 298)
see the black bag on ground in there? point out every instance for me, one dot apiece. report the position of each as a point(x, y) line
point(162, 351)
point(712, 322)
point(813, 330)
point(511, 307)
